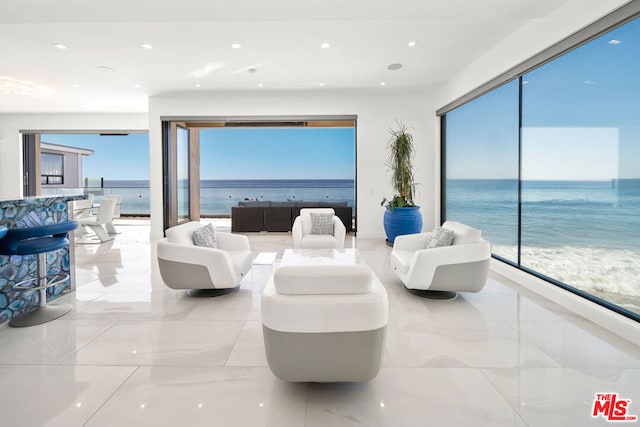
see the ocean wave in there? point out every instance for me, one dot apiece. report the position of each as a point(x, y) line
point(610, 274)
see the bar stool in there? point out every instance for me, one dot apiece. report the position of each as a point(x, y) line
point(39, 240)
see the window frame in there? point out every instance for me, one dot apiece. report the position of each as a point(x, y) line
point(46, 178)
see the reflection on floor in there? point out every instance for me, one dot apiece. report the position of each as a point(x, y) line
point(135, 353)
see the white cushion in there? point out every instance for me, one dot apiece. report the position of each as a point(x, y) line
point(440, 237)
point(183, 233)
point(305, 215)
point(463, 233)
point(205, 236)
point(322, 223)
point(322, 279)
point(318, 241)
point(325, 313)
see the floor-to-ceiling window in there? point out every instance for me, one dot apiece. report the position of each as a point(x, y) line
point(548, 165)
point(482, 167)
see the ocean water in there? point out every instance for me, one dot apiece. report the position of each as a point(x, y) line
point(585, 234)
point(218, 196)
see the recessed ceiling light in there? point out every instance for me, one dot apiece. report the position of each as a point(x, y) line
point(321, 84)
point(325, 45)
point(260, 85)
point(394, 66)
point(59, 46)
point(614, 42)
point(104, 68)
point(412, 43)
point(75, 86)
point(383, 83)
point(197, 84)
point(137, 86)
point(146, 46)
point(236, 46)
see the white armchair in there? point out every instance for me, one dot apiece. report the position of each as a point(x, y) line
point(441, 272)
point(204, 271)
point(304, 238)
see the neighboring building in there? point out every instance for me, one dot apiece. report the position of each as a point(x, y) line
point(61, 166)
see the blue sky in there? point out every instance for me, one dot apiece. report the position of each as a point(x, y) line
point(228, 153)
point(115, 157)
point(277, 153)
point(580, 118)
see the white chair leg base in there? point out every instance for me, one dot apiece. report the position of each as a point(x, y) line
point(209, 293)
point(101, 233)
point(111, 230)
point(41, 315)
point(434, 295)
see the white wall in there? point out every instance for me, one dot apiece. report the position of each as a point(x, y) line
point(376, 113)
point(11, 143)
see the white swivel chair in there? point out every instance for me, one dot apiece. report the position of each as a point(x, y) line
point(441, 272)
point(111, 230)
point(204, 271)
point(97, 223)
point(308, 236)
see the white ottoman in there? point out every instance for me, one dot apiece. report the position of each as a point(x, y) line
point(324, 317)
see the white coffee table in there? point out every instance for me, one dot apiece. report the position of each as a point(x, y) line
point(328, 257)
point(324, 317)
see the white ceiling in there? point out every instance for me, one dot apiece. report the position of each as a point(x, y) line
point(280, 38)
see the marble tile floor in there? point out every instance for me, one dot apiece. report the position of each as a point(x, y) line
point(136, 353)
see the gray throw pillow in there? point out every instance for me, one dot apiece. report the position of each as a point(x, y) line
point(321, 223)
point(440, 237)
point(205, 236)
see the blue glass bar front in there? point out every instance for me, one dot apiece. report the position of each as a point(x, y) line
point(30, 212)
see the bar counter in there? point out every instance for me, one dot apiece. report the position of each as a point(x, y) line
point(29, 212)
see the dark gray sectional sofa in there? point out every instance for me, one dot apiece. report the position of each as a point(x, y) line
point(279, 216)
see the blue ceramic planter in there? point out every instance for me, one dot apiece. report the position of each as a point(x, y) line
point(402, 221)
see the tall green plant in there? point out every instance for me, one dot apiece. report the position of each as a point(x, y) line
point(400, 162)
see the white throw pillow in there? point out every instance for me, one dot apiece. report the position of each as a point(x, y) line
point(321, 223)
point(440, 237)
point(205, 236)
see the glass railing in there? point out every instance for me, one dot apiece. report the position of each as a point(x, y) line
point(135, 200)
point(215, 201)
point(218, 201)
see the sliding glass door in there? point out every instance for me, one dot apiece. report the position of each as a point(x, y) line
point(181, 170)
point(182, 173)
